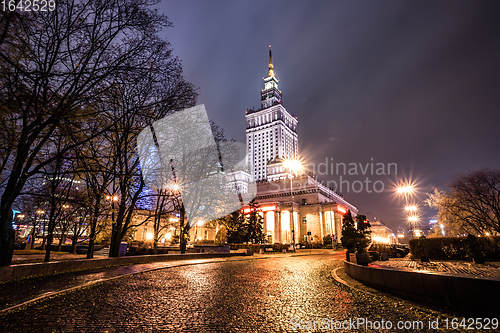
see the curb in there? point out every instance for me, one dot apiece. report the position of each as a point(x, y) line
point(46, 268)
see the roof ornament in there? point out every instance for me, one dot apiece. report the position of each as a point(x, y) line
point(271, 71)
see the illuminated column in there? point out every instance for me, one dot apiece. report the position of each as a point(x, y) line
point(277, 227)
point(296, 226)
point(321, 223)
point(285, 226)
point(270, 225)
point(338, 224)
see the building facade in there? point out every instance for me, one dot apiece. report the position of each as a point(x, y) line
point(271, 130)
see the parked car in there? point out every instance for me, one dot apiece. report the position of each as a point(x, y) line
point(20, 246)
point(393, 250)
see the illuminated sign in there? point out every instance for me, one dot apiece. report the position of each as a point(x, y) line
point(261, 209)
point(268, 208)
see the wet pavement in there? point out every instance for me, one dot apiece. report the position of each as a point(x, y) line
point(54, 256)
point(280, 293)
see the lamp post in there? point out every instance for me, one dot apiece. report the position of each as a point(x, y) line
point(39, 212)
point(112, 200)
point(413, 220)
point(406, 190)
point(293, 165)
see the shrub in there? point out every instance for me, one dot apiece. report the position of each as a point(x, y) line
point(327, 240)
point(456, 247)
point(422, 249)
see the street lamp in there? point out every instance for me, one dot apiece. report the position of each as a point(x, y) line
point(39, 212)
point(411, 208)
point(293, 165)
point(413, 220)
point(113, 199)
point(406, 190)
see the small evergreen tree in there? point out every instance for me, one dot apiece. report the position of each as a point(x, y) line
point(354, 240)
point(254, 225)
point(221, 236)
point(364, 232)
point(247, 228)
point(234, 225)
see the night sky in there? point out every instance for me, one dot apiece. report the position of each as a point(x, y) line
point(415, 83)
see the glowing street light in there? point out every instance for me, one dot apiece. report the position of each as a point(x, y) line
point(405, 189)
point(411, 208)
point(413, 220)
point(293, 165)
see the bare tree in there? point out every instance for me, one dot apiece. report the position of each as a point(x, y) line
point(473, 204)
point(54, 63)
point(165, 205)
point(137, 100)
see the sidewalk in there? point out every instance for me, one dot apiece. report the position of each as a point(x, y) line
point(15, 293)
point(54, 256)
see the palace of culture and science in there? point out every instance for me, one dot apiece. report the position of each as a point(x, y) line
point(295, 206)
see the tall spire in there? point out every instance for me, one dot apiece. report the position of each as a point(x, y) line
point(271, 71)
point(270, 95)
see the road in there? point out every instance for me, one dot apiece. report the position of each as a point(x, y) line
point(279, 294)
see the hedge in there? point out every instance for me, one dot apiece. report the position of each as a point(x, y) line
point(455, 247)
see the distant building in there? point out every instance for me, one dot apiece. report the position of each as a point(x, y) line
point(382, 233)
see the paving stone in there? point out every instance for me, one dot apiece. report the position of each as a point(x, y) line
point(223, 296)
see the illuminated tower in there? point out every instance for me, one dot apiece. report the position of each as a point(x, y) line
point(271, 130)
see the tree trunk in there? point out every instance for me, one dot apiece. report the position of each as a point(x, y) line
point(50, 237)
point(116, 239)
point(183, 233)
point(33, 235)
point(7, 235)
point(74, 240)
point(90, 252)
point(43, 236)
point(63, 237)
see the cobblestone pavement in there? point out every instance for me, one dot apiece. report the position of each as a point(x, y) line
point(268, 295)
point(489, 269)
point(17, 291)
